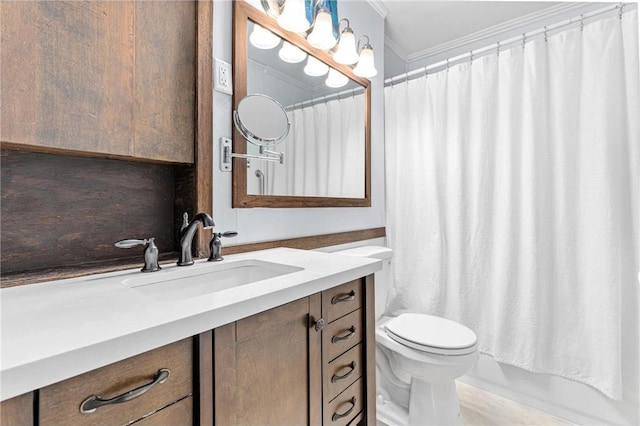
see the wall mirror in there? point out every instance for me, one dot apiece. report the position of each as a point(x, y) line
point(327, 151)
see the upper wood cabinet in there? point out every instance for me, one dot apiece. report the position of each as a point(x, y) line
point(100, 78)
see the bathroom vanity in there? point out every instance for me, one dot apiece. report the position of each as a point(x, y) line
point(280, 336)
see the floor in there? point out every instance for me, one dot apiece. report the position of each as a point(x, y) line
point(480, 408)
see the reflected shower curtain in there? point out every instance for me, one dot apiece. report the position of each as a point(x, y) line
point(324, 153)
point(512, 191)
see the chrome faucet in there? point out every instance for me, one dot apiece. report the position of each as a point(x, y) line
point(187, 231)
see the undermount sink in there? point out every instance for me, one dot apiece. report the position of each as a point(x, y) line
point(203, 278)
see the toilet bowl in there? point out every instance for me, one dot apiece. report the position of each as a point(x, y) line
point(418, 358)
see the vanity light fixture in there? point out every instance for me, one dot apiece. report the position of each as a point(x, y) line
point(291, 54)
point(346, 53)
point(262, 38)
point(291, 15)
point(322, 36)
point(315, 68)
point(366, 67)
point(294, 16)
point(336, 79)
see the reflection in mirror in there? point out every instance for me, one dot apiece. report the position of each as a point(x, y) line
point(325, 149)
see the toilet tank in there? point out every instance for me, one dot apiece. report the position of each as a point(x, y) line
point(383, 278)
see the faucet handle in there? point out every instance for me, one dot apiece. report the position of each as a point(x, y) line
point(215, 245)
point(150, 252)
point(130, 243)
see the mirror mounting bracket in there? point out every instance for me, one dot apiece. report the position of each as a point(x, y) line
point(226, 154)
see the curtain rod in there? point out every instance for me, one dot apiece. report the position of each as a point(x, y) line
point(326, 98)
point(520, 38)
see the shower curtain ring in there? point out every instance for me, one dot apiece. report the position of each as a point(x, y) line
point(620, 7)
point(581, 22)
point(546, 35)
point(471, 57)
point(498, 48)
point(524, 39)
point(447, 64)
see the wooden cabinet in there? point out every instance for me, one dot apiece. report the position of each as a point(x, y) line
point(64, 402)
point(267, 367)
point(17, 411)
point(308, 362)
point(100, 77)
point(342, 353)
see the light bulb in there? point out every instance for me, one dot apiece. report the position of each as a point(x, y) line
point(366, 67)
point(321, 36)
point(291, 54)
point(263, 38)
point(294, 16)
point(346, 53)
point(336, 79)
point(315, 68)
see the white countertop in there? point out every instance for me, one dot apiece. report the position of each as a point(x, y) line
point(56, 330)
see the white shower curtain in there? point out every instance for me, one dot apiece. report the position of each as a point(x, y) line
point(513, 191)
point(324, 153)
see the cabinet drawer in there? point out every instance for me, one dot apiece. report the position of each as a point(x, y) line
point(342, 334)
point(341, 300)
point(345, 407)
point(60, 402)
point(343, 371)
point(178, 414)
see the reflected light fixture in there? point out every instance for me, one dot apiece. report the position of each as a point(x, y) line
point(322, 36)
point(346, 53)
point(315, 68)
point(291, 54)
point(262, 38)
point(336, 79)
point(294, 16)
point(366, 67)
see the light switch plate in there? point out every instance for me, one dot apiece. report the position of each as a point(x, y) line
point(222, 77)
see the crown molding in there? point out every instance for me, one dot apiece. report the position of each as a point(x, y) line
point(490, 32)
point(379, 7)
point(395, 48)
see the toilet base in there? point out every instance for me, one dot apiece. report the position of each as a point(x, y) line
point(430, 404)
point(433, 403)
point(388, 413)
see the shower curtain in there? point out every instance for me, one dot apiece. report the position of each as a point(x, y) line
point(324, 151)
point(513, 191)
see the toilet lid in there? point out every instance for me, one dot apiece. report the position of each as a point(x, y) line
point(431, 334)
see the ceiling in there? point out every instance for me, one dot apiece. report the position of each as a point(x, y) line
point(413, 28)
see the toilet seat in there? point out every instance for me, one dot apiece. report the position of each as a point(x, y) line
point(431, 334)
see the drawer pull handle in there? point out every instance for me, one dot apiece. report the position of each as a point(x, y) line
point(349, 335)
point(343, 298)
point(94, 402)
point(335, 377)
point(337, 416)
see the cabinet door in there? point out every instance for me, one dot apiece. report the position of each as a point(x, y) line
point(267, 368)
point(67, 74)
point(100, 77)
point(17, 411)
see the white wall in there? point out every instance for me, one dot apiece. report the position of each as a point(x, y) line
point(262, 224)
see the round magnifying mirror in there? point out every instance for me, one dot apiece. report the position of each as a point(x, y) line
point(261, 120)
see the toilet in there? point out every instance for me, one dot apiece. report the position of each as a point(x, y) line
point(418, 358)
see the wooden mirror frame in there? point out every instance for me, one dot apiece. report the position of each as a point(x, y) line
point(243, 12)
